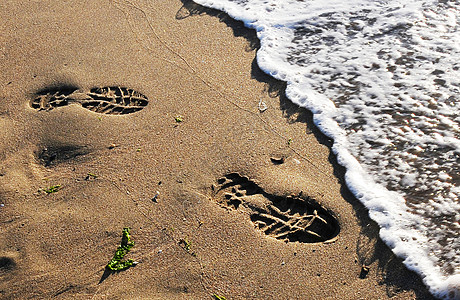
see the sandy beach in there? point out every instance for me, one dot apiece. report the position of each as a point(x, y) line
point(204, 159)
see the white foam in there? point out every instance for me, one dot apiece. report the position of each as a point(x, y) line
point(382, 80)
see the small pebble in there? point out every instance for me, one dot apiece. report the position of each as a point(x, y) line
point(277, 160)
point(283, 263)
point(262, 106)
point(364, 271)
point(160, 251)
point(155, 198)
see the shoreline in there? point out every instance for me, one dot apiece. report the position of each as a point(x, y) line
point(58, 244)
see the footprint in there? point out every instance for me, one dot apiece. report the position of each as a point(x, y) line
point(294, 218)
point(57, 153)
point(105, 100)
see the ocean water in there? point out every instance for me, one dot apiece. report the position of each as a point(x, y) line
point(382, 78)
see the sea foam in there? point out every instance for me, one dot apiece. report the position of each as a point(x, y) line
point(382, 80)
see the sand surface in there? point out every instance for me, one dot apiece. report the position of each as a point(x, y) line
point(224, 222)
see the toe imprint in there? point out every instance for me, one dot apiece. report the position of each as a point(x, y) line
point(293, 218)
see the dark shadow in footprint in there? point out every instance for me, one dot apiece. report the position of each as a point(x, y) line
point(294, 218)
point(112, 100)
point(7, 263)
point(54, 154)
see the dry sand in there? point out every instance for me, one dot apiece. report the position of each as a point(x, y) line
point(190, 62)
